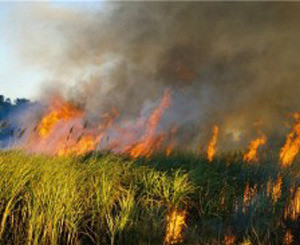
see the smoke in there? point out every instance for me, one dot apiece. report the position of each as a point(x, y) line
point(231, 64)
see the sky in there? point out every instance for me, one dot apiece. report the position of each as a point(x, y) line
point(16, 79)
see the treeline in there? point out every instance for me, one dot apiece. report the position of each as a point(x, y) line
point(7, 106)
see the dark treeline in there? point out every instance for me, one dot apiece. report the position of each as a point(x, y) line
point(7, 108)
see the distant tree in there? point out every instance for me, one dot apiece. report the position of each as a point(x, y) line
point(8, 101)
point(1, 99)
point(21, 101)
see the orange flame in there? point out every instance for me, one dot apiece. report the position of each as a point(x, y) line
point(296, 205)
point(62, 131)
point(150, 141)
point(175, 225)
point(249, 194)
point(229, 240)
point(83, 145)
point(291, 148)
point(276, 190)
point(288, 238)
point(169, 148)
point(251, 155)
point(90, 141)
point(293, 208)
point(211, 149)
point(59, 110)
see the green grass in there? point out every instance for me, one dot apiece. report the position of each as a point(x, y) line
point(102, 198)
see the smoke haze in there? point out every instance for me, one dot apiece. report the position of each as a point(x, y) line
point(232, 64)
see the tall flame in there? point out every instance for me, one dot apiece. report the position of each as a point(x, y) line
point(292, 144)
point(211, 149)
point(276, 190)
point(150, 141)
point(251, 154)
point(59, 110)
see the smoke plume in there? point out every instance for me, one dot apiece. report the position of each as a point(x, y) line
point(235, 65)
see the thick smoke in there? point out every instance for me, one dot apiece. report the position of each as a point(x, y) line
point(231, 64)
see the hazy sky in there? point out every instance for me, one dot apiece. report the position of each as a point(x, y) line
point(17, 79)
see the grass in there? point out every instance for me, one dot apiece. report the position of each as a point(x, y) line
point(102, 198)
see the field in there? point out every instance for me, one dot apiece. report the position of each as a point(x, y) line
point(102, 198)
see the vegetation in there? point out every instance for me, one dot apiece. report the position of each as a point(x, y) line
point(102, 198)
point(7, 108)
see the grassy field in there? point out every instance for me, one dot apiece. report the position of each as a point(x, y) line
point(102, 198)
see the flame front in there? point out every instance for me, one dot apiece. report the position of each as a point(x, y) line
point(90, 141)
point(251, 154)
point(211, 149)
point(150, 141)
point(59, 110)
point(63, 130)
point(291, 148)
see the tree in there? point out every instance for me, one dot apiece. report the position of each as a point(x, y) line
point(21, 101)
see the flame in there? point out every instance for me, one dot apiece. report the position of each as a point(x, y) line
point(229, 240)
point(293, 208)
point(169, 148)
point(150, 142)
point(291, 148)
point(175, 224)
point(276, 190)
point(90, 141)
point(85, 144)
point(288, 238)
point(251, 155)
point(296, 205)
point(59, 110)
point(211, 149)
point(249, 194)
point(64, 131)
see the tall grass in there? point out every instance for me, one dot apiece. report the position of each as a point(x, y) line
point(109, 199)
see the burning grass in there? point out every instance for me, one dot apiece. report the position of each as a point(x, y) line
point(105, 198)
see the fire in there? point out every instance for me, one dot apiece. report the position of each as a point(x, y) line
point(64, 130)
point(211, 149)
point(229, 240)
point(276, 190)
point(90, 141)
point(293, 208)
point(251, 155)
point(169, 148)
point(292, 144)
point(288, 238)
point(150, 141)
point(175, 224)
point(59, 110)
point(249, 194)
point(296, 205)
point(83, 145)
